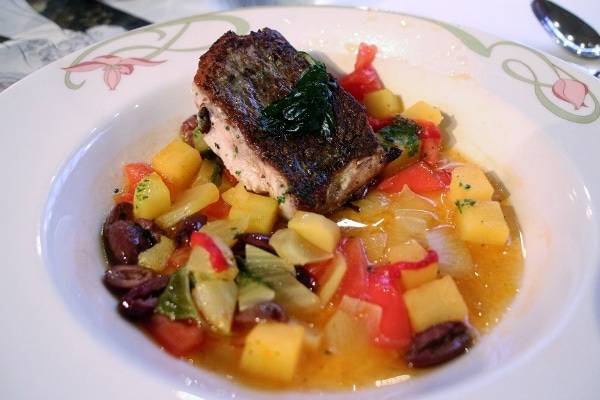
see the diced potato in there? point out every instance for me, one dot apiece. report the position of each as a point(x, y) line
point(188, 203)
point(157, 256)
point(383, 102)
point(261, 211)
point(178, 163)
point(413, 278)
point(409, 250)
point(482, 223)
point(216, 300)
point(151, 197)
point(317, 229)
point(435, 302)
point(272, 350)
point(332, 278)
point(292, 247)
point(469, 182)
point(422, 110)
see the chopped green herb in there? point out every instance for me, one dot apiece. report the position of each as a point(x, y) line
point(464, 203)
point(402, 133)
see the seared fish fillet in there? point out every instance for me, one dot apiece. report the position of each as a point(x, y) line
point(238, 77)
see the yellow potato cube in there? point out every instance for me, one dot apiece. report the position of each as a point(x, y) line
point(412, 278)
point(469, 182)
point(317, 229)
point(261, 211)
point(151, 197)
point(481, 222)
point(178, 163)
point(423, 111)
point(383, 102)
point(435, 302)
point(272, 350)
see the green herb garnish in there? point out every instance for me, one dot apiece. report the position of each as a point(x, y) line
point(307, 109)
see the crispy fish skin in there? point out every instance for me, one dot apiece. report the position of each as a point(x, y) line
point(239, 76)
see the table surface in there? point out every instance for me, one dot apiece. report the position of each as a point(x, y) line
point(510, 19)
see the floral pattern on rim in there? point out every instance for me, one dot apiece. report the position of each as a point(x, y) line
point(124, 56)
point(113, 66)
point(566, 88)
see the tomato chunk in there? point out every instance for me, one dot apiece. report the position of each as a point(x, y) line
point(419, 177)
point(354, 283)
point(179, 338)
point(431, 138)
point(364, 78)
point(384, 290)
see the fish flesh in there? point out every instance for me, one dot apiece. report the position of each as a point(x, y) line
point(237, 78)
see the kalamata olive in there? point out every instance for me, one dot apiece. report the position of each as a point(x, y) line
point(185, 228)
point(255, 239)
point(141, 300)
point(121, 211)
point(306, 278)
point(127, 276)
point(153, 231)
point(267, 311)
point(186, 130)
point(124, 240)
point(438, 344)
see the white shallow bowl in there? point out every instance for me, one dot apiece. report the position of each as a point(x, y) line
point(80, 126)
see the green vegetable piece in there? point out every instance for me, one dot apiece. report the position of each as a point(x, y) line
point(402, 133)
point(176, 301)
point(307, 109)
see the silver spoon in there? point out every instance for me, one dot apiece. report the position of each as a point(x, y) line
point(567, 29)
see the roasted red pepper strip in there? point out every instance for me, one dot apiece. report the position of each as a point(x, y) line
point(217, 259)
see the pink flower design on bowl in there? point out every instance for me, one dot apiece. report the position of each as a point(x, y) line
point(114, 67)
point(571, 91)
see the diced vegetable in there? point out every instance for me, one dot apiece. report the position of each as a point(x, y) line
point(419, 177)
point(290, 294)
point(290, 246)
point(422, 110)
point(404, 134)
point(332, 278)
point(179, 338)
point(261, 210)
point(272, 350)
point(157, 256)
point(408, 251)
point(364, 78)
point(469, 182)
point(412, 278)
point(188, 203)
point(134, 172)
point(176, 300)
point(369, 314)
point(217, 259)
point(481, 222)
point(257, 258)
point(252, 291)
point(151, 197)
point(383, 102)
point(216, 299)
point(435, 302)
point(226, 230)
point(346, 334)
point(454, 258)
point(177, 163)
point(317, 229)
